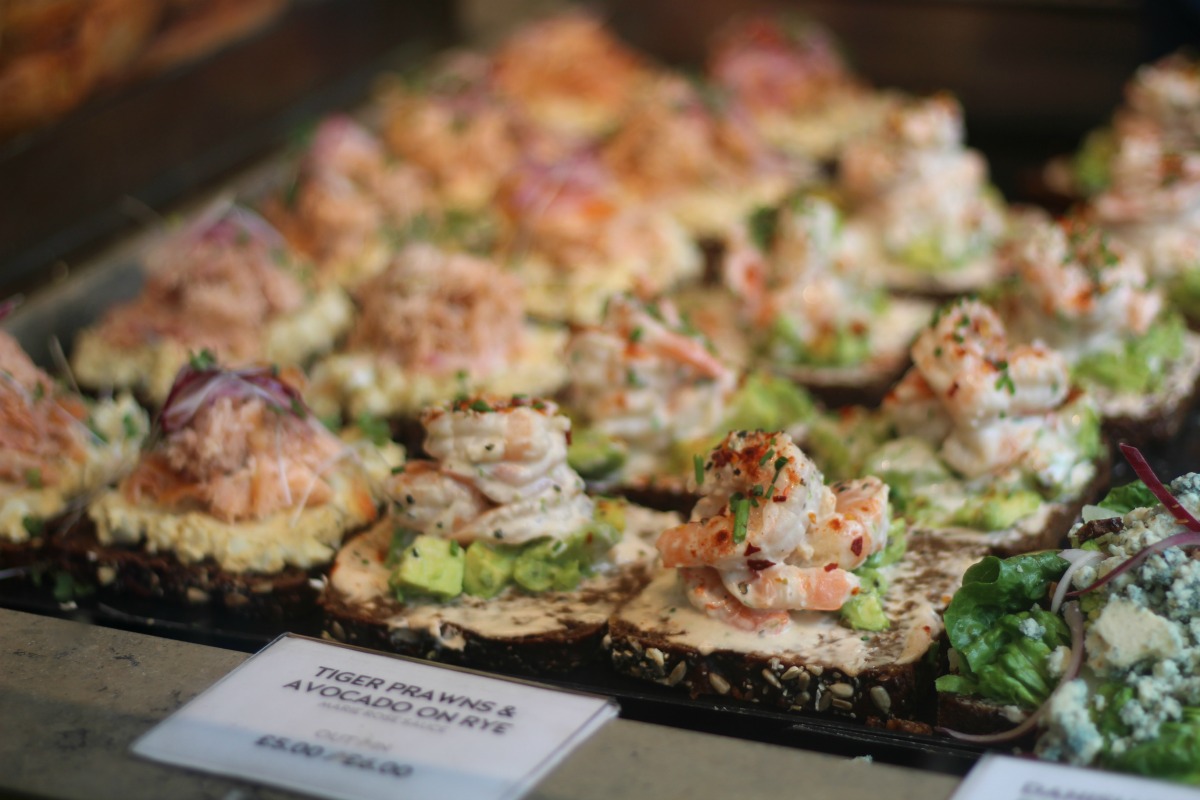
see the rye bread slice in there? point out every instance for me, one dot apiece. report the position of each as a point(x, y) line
point(1138, 419)
point(120, 571)
point(817, 665)
point(967, 714)
point(514, 632)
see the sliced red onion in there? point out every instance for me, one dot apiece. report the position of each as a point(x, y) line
point(1078, 560)
point(1185, 539)
point(1142, 469)
point(196, 388)
point(1074, 620)
point(1189, 538)
point(10, 305)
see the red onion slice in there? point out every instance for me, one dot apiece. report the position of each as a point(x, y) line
point(1074, 620)
point(194, 389)
point(10, 305)
point(1189, 538)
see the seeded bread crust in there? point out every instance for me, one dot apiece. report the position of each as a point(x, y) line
point(130, 571)
point(661, 646)
point(458, 632)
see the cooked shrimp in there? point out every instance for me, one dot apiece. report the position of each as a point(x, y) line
point(966, 359)
point(779, 489)
point(642, 377)
point(501, 474)
point(773, 534)
point(1073, 271)
point(706, 592)
point(512, 448)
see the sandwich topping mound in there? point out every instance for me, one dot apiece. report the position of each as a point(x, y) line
point(55, 446)
point(241, 473)
point(921, 200)
point(227, 282)
point(492, 554)
point(432, 324)
point(645, 380)
point(768, 537)
point(1089, 297)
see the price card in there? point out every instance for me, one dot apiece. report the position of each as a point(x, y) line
point(335, 721)
point(998, 777)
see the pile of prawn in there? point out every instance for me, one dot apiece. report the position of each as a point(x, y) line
point(768, 536)
point(499, 474)
point(640, 376)
point(969, 389)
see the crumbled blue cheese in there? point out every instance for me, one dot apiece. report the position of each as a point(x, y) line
point(1071, 736)
point(1031, 628)
point(1125, 634)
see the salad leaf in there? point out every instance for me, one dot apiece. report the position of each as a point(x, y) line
point(1001, 635)
point(1124, 499)
point(1174, 754)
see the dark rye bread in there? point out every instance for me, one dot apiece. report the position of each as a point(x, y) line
point(1158, 416)
point(119, 571)
point(515, 632)
point(817, 665)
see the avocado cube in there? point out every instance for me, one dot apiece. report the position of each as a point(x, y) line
point(431, 566)
point(488, 569)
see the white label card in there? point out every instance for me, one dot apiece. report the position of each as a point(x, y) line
point(998, 777)
point(335, 721)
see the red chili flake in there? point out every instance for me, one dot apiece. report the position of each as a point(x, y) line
point(779, 498)
point(722, 537)
point(751, 549)
point(831, 567)
point(758, 564)
point(856, 546)
point(953, 389)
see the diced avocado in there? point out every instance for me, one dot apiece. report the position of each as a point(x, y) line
point(547, 565)
point(905, 464)
point(488, 569)
point(431, 566)
point(1140, 364)
point(842, 347)
point(610, 511)
point(595, 455)
point(896, 547)
point(864, 612)
point(768, 402)
point(996, 510)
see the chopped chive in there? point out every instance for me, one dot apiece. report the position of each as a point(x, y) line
point(480, 405)
point(741, 516)
point(698, 465)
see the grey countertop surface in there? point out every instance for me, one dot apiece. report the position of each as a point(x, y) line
point(73, 697)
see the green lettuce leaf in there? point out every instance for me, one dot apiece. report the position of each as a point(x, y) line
point(1124, 499)
point(987, 620)
point(1173, 755)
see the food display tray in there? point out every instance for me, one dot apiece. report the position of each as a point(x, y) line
point(639, 700)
